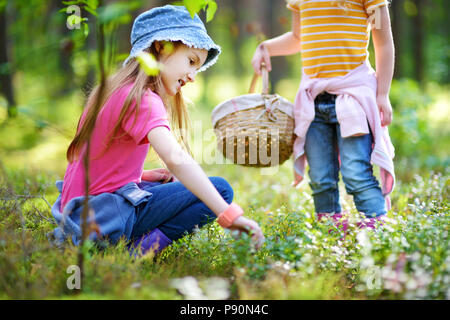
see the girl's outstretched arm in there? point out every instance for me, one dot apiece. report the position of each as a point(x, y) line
point(191, 175)
point(384, 61)
point(286, 44)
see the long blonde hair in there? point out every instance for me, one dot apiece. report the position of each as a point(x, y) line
point(130, 73)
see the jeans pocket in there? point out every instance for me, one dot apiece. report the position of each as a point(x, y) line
point(134, 194)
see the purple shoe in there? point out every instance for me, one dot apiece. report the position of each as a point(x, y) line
point(155, 240)
point(371, 223)
point(340, 220)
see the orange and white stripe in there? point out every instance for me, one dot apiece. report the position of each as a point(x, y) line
point(334, 38)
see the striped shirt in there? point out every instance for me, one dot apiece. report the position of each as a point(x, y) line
point(334, 39)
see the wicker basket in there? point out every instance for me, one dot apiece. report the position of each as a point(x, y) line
point(255, 130)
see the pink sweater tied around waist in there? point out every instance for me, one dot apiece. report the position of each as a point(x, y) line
point(355, 108)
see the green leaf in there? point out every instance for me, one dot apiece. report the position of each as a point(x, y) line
point(73, 20)
point(86, 30)
point(2, 5)
point(194, 6)
point(69, 3)
point(92, 4)
point(91, 11)
point(148, 63)
point(211, 10)
point(87, 245)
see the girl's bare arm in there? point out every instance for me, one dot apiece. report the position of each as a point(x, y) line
point(288, 43)
point(186, 169)
point(192, 176)
point(384, 61)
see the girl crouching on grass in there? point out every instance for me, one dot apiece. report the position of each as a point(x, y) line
point(129, 202)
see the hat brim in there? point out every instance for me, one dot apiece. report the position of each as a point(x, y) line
point(198, 40)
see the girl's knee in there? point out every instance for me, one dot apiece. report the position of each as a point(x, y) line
point(324, 183)
point(355, 183)
point(223, 187)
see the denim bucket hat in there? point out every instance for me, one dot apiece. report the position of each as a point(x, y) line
point(171, 23)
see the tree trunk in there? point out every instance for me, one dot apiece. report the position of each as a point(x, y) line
point(237, 31)
point(66, 48)
point(272, 15)
point(418, 43)
point(397, 32)
point(90, 45)
point(6, 85)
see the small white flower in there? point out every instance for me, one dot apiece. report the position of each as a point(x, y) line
point(188, 287)
point(367, 262)
point(217, 288)
point(364, 240)
point(411, 284)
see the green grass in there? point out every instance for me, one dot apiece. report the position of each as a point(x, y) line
point(407, 258)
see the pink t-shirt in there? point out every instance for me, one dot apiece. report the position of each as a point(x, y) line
point(123, 162)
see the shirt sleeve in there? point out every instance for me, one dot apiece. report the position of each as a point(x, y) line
point(370, 5)
point(152, 114)
point(293, 5)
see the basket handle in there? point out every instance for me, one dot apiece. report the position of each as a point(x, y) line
point(265, 80)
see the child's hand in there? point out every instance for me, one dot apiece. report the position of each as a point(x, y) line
point(261, 55)
point(160, 174)
point(297, 179)
point(384, 104)
point(244, 224)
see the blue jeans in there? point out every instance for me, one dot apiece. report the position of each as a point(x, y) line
point(175, 210)
point(323, 145)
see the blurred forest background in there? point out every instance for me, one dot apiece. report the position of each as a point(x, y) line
point(47, 67)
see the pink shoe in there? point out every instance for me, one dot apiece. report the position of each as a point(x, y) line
point(339, 220)
point(371, 223)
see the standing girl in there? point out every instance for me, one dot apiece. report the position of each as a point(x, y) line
point(342, 108)
point(127, 201)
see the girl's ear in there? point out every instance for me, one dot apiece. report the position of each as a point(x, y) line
point(157, 46)
point(165, 48)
